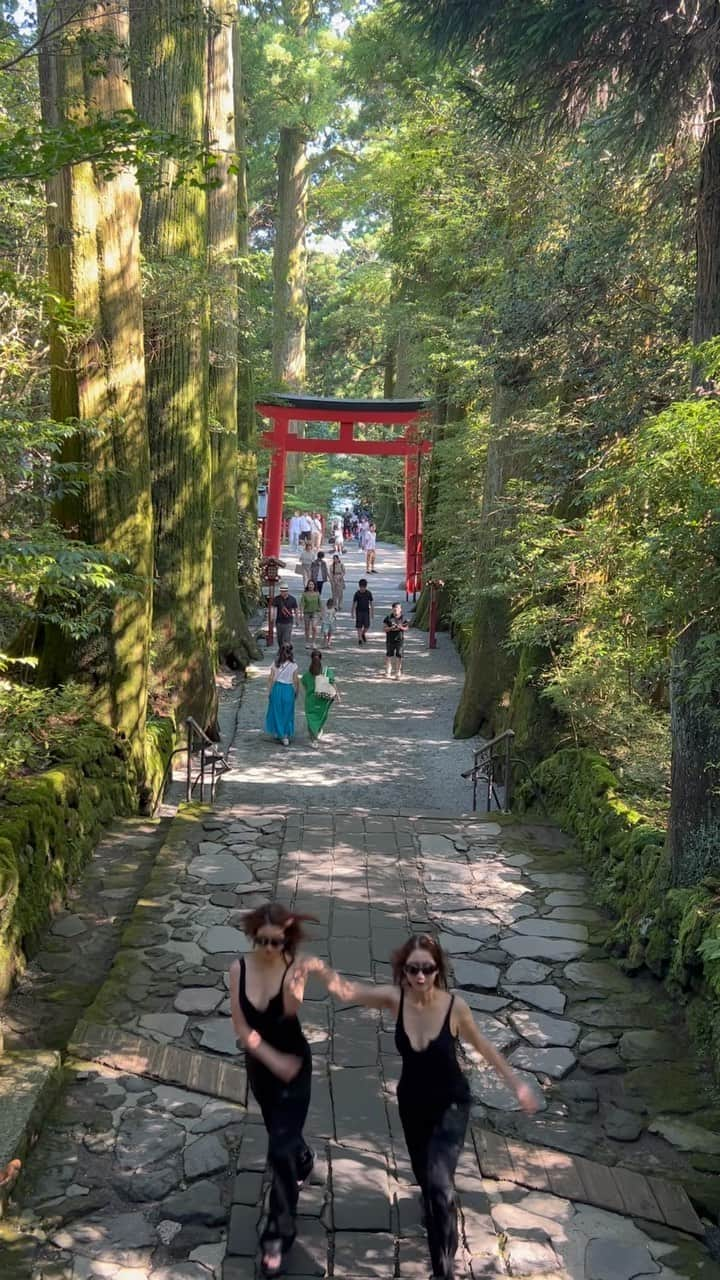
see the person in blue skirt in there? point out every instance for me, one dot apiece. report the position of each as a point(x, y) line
point(284, 685)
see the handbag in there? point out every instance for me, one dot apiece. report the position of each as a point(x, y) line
point(298, 567)
point(324, 688)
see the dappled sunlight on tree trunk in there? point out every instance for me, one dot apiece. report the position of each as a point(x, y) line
point(169, 50)
point(234, 642)
point(98, 371)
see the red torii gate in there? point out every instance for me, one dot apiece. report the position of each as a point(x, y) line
point(284, 409)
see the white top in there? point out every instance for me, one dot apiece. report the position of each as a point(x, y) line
point(285, 673)
point(369, 540)
point(305, 524)
point(306, 556)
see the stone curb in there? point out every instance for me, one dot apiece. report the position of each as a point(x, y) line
point(29, 1083)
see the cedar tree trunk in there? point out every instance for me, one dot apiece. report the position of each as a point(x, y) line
point(98, 374)
point(169, 48)
point(234, 643)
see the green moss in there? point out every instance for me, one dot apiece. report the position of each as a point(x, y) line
point(674, 932)
point(49, 825)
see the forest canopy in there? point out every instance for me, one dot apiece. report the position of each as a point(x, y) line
point(511, 209)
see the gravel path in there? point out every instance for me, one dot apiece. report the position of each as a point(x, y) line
point(388, 746)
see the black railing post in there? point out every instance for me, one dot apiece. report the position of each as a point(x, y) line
point(508, 772)
point(188, 782)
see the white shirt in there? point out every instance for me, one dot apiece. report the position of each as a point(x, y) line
point(285, 673)
point(294, 525)
point(305, 524)
point(369, 540)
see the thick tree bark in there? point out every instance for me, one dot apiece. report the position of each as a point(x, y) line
point(290, 271)
point(234, 643)
point(169, 48)
point(489, 667)
point(99, 376)
point(706, 319)
point(248, 550)
point(694, 823)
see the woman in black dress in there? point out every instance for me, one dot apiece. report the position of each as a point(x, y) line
point(433, 1093)
point(266, 991)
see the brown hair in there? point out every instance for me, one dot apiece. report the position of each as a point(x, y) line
point(424, 942)
point(290, 922)
point(315, 663)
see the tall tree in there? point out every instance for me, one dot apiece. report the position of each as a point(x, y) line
point(235, 645)
point(246, 418)
point(97, 368)
point(169, 53)
point(654, 69)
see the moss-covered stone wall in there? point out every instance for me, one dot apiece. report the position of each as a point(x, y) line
point(50, 823)
point(673, 932)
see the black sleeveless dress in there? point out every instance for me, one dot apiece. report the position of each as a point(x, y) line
point(280, 1030)
point(431, 1079)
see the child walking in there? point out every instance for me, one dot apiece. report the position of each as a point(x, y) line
point(329, 622)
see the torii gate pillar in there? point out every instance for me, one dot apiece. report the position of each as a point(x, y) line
point(276, 489)
point(413, 516)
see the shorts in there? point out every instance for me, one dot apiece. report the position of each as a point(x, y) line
point(362, 621)
point(394, 644)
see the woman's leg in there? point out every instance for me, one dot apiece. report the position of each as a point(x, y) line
point(289, 1156)
point(444, 1147)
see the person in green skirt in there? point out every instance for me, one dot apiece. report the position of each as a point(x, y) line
point(317, 708)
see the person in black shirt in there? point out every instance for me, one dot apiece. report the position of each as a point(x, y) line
point(286, 612)
point(394, 626)
point(362, 610)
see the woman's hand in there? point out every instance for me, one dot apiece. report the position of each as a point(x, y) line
point(527, 1098)
point(339, 986)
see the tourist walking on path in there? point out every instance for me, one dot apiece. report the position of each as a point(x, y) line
point(394, 626)
point(294, 531)
point(337, 536)
point(305, 526)
point(286, 612)
point(310, 601)
point(265, 998)
point(363, 526)
point(337, 581)
point(329, 622)
point(433, 1093)
point(317, 703)
point(369, 543)
point(319, 571)
point(306, 560)
point(284, 685)
point(315, 532)
point(362, 610)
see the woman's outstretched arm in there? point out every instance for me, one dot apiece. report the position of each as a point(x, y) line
point(283, 1065)
point(367, 994)
point(469, 1032)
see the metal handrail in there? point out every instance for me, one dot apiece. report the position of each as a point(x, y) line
point(483, 770)
point(195, 732)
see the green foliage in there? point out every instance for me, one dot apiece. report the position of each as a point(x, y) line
point(37, 726)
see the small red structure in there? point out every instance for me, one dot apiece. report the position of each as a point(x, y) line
point(285, 409)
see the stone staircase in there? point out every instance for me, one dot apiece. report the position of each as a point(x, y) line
point(152, 1163)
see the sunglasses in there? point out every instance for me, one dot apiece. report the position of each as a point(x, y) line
point(263, 941)
point(427, 970)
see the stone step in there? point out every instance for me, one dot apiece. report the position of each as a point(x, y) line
point(189, 1069)
point(586, 1181)
point(28, 1085)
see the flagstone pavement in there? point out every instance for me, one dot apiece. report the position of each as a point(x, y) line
point(140, 1174)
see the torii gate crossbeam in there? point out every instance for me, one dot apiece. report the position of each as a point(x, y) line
point(283, 410)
